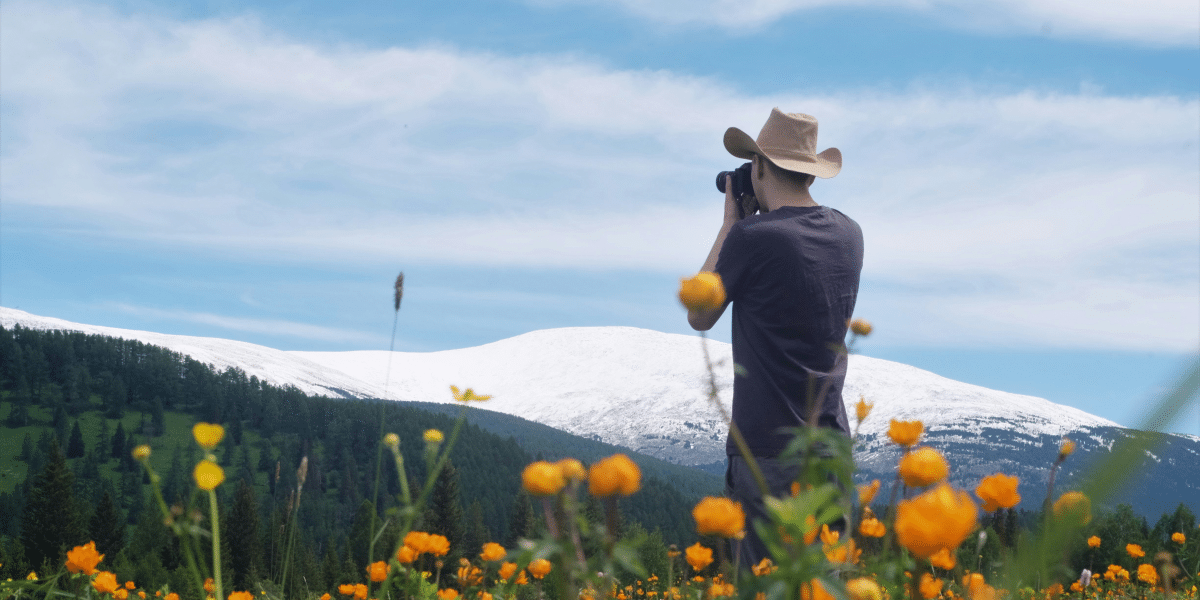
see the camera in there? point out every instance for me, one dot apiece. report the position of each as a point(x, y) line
point(743, 190)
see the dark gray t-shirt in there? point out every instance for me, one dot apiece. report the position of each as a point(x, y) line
point(792, 276)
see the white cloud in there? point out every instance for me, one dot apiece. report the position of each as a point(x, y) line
point(1148, 22)
point(224, 137)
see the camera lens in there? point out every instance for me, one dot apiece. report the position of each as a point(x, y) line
point(721, 180)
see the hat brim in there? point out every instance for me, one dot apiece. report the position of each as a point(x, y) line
point(825, 164)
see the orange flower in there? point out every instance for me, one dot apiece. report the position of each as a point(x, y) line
point(1074, 506)
point(813, 590)
point(1148, 574)
point(867, 491)
point(939, 518)
point(930, 586)
point(83, 559)
point(923, 466)
point(171, 596)
point(998, 491)
point(360, 591)
point(378, 571)
point(872, 527)
point(507, 570)
point(862, 408)
point(469, 575)
point(1094, 541)
point(493, 552)
point(905, 433)
point(703, 292)
point(447, 594)
point(438, 545)
point(943, 559)
point(861, 327)
point(346, 589)
point(616, 474)
point(521, 579)
point(406, 555)
point(699, 556)
point(1135, 550)
point(572, 469)
point(241, 596)
point(209, 586)
point(539, 568)
point(764, 567)
point(121, 594)
point(719, 516)
point(129, 585)
point(973, 582)
point(1178, 537)
point(543, 479)
point(208, 435)
point(105, 582)
point(1065, 448)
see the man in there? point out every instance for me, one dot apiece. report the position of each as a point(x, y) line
point(792, 274)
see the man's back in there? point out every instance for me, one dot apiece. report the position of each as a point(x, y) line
point(792, 276)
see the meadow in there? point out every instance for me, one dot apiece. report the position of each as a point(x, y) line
point(571, 534)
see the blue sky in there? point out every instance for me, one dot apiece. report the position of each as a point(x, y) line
point(1026, 173)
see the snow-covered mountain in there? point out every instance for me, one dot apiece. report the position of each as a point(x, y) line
point(647, 391)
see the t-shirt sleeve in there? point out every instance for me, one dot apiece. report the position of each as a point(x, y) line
point(734, 262)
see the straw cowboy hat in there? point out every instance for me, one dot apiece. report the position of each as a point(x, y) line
point(789, 141)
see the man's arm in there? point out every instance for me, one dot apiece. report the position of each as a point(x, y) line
point(704, 320)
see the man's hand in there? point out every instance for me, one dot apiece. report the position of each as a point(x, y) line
point(731, 206)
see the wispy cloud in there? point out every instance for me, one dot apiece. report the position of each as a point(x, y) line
point(1148, 22)
point(267, 326)
point(225, 137)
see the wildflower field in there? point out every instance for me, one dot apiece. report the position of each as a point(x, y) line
point(575, 539)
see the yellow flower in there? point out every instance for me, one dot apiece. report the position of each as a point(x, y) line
point(208, 475)
point(391, 440)
point(493, 552)
point(210, 586)
point(943, 559)
point(378, 571)
point(1066, 448)
point(468, 395)
point(939, 518)
point(905, 433)
point(998, 491)
point(543, 479)
point(434, 436)
point(1094, 541)
point(867, 491)
point(863, 589)
point(1135, 550)
point(1074, 506)
point(83, 559)
point(1148, 574)
point(572, 469)
point(923, 466)
point(141, 453)
point(719, 516)
point(863, 408)
point(872, 527)
point(930, 586)
point(539, 568)
point(1178, 537)
point(703, 292)
point(32, 576)
point(616, 474)
point(698, 556)
point(861, 327)
point(105, 582)
point(208, 435)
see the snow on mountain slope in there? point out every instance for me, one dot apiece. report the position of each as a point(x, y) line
point(636, 388)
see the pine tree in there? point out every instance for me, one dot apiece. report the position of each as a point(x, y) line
point(118, 441)
point(476, 533)
point(242, 531)
point(50, 524)
point(75, 447)
point(107, 527)
point(521, 521)
point(447, 512)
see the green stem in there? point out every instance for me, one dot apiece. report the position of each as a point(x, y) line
point(216, 542)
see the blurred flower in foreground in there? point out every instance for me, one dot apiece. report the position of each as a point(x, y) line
point(863, 588)
point(539, 568)
point(391, 440)
point(863, 408)
point(931, 587)
point(616, 474)
point(867, 491)
point(572, 469)
point(208, 475)
point(1135, 550)
point(1065, 448)
point(943, 559)
point(208, 435)
point(905, 433)
point(813, 590)
point(702, 292)
point(923, 466)
point(1074, 506)
point(105, 582)
point(1148, 574)
point(872, 527)
point(998, 491)
point(378, 571)
point(434, 436)
point(1094, 541)
point(861, 327)
point(1178, 538)
point(493, 552)
point(719, 516)
point(543, 479)
point(939, 518)
point(141, 453)
point(468, 395)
